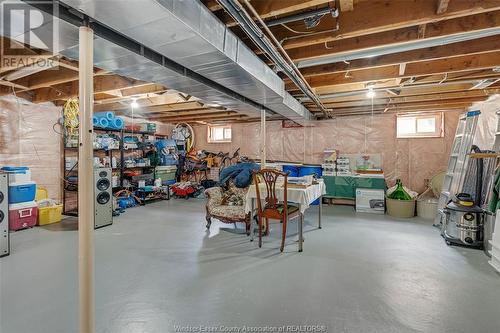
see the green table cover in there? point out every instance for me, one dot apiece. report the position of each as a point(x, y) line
point(344, 187)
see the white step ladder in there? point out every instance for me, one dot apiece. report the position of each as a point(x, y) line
point(493, 246)
point(458, 162)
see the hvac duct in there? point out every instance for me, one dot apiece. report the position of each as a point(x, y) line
point(248, 25)
point(189, 34)
point(133, 60)
point(408, 46)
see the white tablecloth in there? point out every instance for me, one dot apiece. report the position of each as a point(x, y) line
point(302, 196)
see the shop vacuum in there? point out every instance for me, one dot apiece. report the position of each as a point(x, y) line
point(463, 225)
point(464, 222)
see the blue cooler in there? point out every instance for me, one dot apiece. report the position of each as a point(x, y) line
point(311, 170)
point(22, 192)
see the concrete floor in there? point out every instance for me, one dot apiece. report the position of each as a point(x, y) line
point(156, 268)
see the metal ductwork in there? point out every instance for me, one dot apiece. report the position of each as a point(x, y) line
point(403, 47)
point(179, 44)
point(246, 22)
point(187, 33)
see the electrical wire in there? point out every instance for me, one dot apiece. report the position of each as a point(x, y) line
point(71, 112)
point(297, 32)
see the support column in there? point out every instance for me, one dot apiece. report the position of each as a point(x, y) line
point(262, 138)
point(86, 183)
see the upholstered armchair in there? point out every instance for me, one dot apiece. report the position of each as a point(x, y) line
point(227, 206)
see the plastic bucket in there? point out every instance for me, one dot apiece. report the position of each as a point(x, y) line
point(427, 208)
point(306, 170)
point(400, 208)
point(293, 170)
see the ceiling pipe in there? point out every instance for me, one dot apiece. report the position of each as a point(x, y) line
point(302, 16)
point(408, 46)
point(246, 22)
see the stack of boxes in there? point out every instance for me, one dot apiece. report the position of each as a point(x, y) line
point(329, 162)
point(23, 210)
point(343, 166)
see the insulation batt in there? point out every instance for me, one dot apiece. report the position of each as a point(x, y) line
point(27, 139)
point(411, 160)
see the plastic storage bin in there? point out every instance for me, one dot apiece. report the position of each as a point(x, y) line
point(166, 173)
point(49, 215)
point(293, 170)
point(18, 174)
point(307, 170)
point(22, 215)
point(41, 193)
point(22, 192)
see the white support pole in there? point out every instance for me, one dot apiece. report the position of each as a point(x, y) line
point(85, 183)
point(262, 138)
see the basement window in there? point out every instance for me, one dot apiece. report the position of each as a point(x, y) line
point(218, 133)
point(420, 126)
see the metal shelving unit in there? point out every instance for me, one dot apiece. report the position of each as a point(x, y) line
point(109, 153)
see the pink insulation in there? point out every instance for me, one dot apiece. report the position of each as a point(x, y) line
point(27, 138)
point(412, 160)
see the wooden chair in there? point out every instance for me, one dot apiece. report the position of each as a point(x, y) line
point(273, 209)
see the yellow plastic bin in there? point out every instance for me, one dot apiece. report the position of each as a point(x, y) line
point(41, 193)
point(49, 215)
point(400, 208)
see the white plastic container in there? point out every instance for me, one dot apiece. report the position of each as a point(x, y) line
point(20, 177)
point(18, 174)
point(427, 208)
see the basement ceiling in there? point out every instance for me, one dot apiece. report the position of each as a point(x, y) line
point(431, 65)
point(446, 76)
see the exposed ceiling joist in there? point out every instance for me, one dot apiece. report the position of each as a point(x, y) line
point(442, 6)
point(478, 46)
point(457, 64)
point(165, 107)
point(372, 17)
point(62, 91)
point(346, 5)
point(193, 113)
point(396, 37)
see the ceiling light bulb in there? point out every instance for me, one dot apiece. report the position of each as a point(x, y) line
point(370, 93)
point(134, 103)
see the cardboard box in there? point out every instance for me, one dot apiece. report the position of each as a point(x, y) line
point(370, 201)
